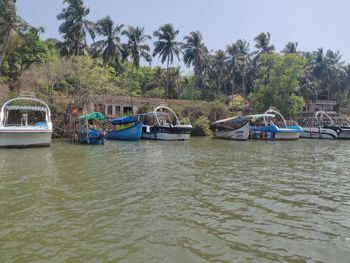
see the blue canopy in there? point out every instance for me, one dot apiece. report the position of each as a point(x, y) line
point(123, 120)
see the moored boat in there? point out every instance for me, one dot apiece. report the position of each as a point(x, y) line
point(234, 128)
point(127, 128)
point(163, 124)
point(272, 126)
point(25, 121)
point(322, 126)
point(90, 131)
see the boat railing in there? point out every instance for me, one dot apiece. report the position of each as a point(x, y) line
point(27, 94)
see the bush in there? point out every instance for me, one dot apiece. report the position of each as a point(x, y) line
point(201, 127)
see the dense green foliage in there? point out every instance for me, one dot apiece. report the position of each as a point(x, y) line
point(71, 67)
point(277, 84)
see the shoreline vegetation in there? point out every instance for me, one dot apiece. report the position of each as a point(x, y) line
point(69, 71)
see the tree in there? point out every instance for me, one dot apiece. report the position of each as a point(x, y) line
point(110, 48)
point(30, 50)
point(263, 43)
point(278, 84)
point(136, 48)
point(290, 48)
point(218, 71)
point(75, 26)
point(89, 79)
point(195, 52)
point(166, 46)
point(326, 68)
point(237, 59)
point(10, 24)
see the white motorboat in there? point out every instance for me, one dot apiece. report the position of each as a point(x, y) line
point(322, 126)
point(25, 121)
point(163, 124)
point(272, 126)
point(234, 128)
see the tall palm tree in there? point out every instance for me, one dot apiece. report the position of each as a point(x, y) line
point(136, 47)
point(237, 59)
point(195, 52)
point(290, 48)
point(10, 26)
point(218, 71)
point(166, 46)
point(75, 26)
point(325, 68)
point(263, 43)
point(110, 48)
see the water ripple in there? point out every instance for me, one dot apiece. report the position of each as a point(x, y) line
point(204, 200)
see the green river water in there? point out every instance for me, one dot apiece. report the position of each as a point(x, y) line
point(202, 200)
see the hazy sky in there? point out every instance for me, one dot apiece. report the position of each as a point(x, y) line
point(312, 23)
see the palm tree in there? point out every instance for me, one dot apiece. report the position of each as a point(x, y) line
point(110, 48)
point(10, 26)
point(196, 55)
point(219, 69)
point(195, 52)
point(237, 59)
point(136, 48)
point(74, 26)
point(263, 43)
point(291, 48)
point(166, 46)
point(326, 68)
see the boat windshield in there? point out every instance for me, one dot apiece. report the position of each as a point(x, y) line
point(25, 112)
point(162, 115)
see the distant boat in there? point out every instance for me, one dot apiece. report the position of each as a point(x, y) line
point(234, 128)
point(127, 128)
point(272, 126)
point(90, 128)
point(163, 124)
point(25, 121)
point(322, 126)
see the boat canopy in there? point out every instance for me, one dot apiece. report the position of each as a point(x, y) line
point(259, 116)
point(236, 119)
point(92, 116)
point(151, 113)
point(123, 120)
point(20, 107)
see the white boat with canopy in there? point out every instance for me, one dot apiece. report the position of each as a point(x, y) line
point(272, 126)
point(163, 124)
point(25, 121)
point(322, 126)
point(234, 128)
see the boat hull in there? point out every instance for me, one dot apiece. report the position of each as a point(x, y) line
point(132, 133)
point(317, 133)
point(241, 133)
point(25, 138)
point(274, 133)
point(166, 133)
point(344, 134)
point(95, 137)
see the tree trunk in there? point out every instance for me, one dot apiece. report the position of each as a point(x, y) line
point(132, 103)
point(168, 77)
point(7, 40)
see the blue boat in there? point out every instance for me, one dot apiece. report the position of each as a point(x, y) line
point(88, 133)
point(126, 128)
point(272, 126)
point(95, 137)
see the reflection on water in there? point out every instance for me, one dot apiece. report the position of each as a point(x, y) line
point(204, 200)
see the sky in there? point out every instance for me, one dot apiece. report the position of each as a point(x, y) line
point(311, 23)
